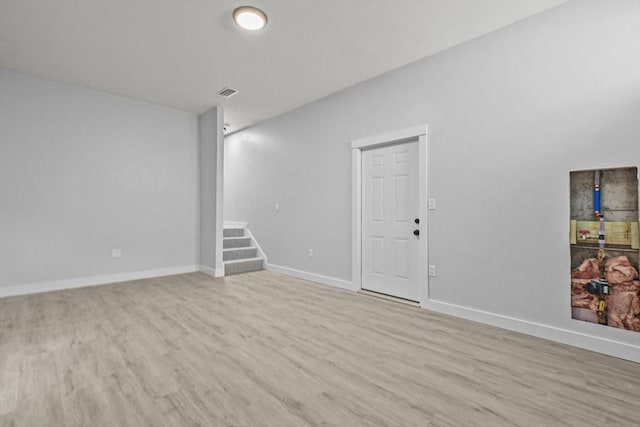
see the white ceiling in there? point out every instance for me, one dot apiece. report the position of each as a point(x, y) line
point(180, 53)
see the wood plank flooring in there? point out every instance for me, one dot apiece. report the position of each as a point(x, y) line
point(264, 349)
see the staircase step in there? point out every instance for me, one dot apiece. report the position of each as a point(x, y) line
point(238, 266)
point(236, 242)
point(239, 253)
point(233, 232)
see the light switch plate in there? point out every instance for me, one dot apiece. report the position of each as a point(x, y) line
point(432, 270)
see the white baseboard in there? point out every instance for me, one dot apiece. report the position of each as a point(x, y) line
point(552, 333)
point(564, 336)
point(215, 272)
point(81, 282)
point(577, 339)
point(325, 280)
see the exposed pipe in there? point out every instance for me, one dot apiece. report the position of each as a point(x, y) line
point(601, 286)
point(596, 195)
point(598, 212)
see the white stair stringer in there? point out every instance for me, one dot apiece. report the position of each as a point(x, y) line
point(255, 243)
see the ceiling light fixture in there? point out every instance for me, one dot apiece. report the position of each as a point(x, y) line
point(250, 18)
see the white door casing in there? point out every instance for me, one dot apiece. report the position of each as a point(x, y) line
point(389, 209)
point(418, 136)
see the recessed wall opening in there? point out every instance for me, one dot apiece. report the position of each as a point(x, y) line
point(605, 250)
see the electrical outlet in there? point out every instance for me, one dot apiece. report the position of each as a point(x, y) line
point(432, 204)
point(277, 207)
point(116, 253)
point(432, 270)
point(310, 253)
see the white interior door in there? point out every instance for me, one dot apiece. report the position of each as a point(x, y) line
point(390, 207)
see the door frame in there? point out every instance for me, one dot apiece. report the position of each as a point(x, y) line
point(415, 133)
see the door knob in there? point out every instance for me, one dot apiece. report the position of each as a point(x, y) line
point(416, 232)
point(417, 220)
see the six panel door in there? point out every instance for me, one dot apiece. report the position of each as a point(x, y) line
point(390, 206)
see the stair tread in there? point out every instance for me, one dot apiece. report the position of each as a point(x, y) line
point(241, 248)
point(236, 261)
point(236, 237)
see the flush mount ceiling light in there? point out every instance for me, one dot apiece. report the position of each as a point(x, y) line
point(250, 18)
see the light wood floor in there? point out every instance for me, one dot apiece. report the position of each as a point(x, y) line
point(263, 349)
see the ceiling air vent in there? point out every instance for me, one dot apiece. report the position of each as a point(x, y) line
point(227, 92)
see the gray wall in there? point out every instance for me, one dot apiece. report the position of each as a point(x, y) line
point(82, 172)
point(510, 114)
point(210, 133)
